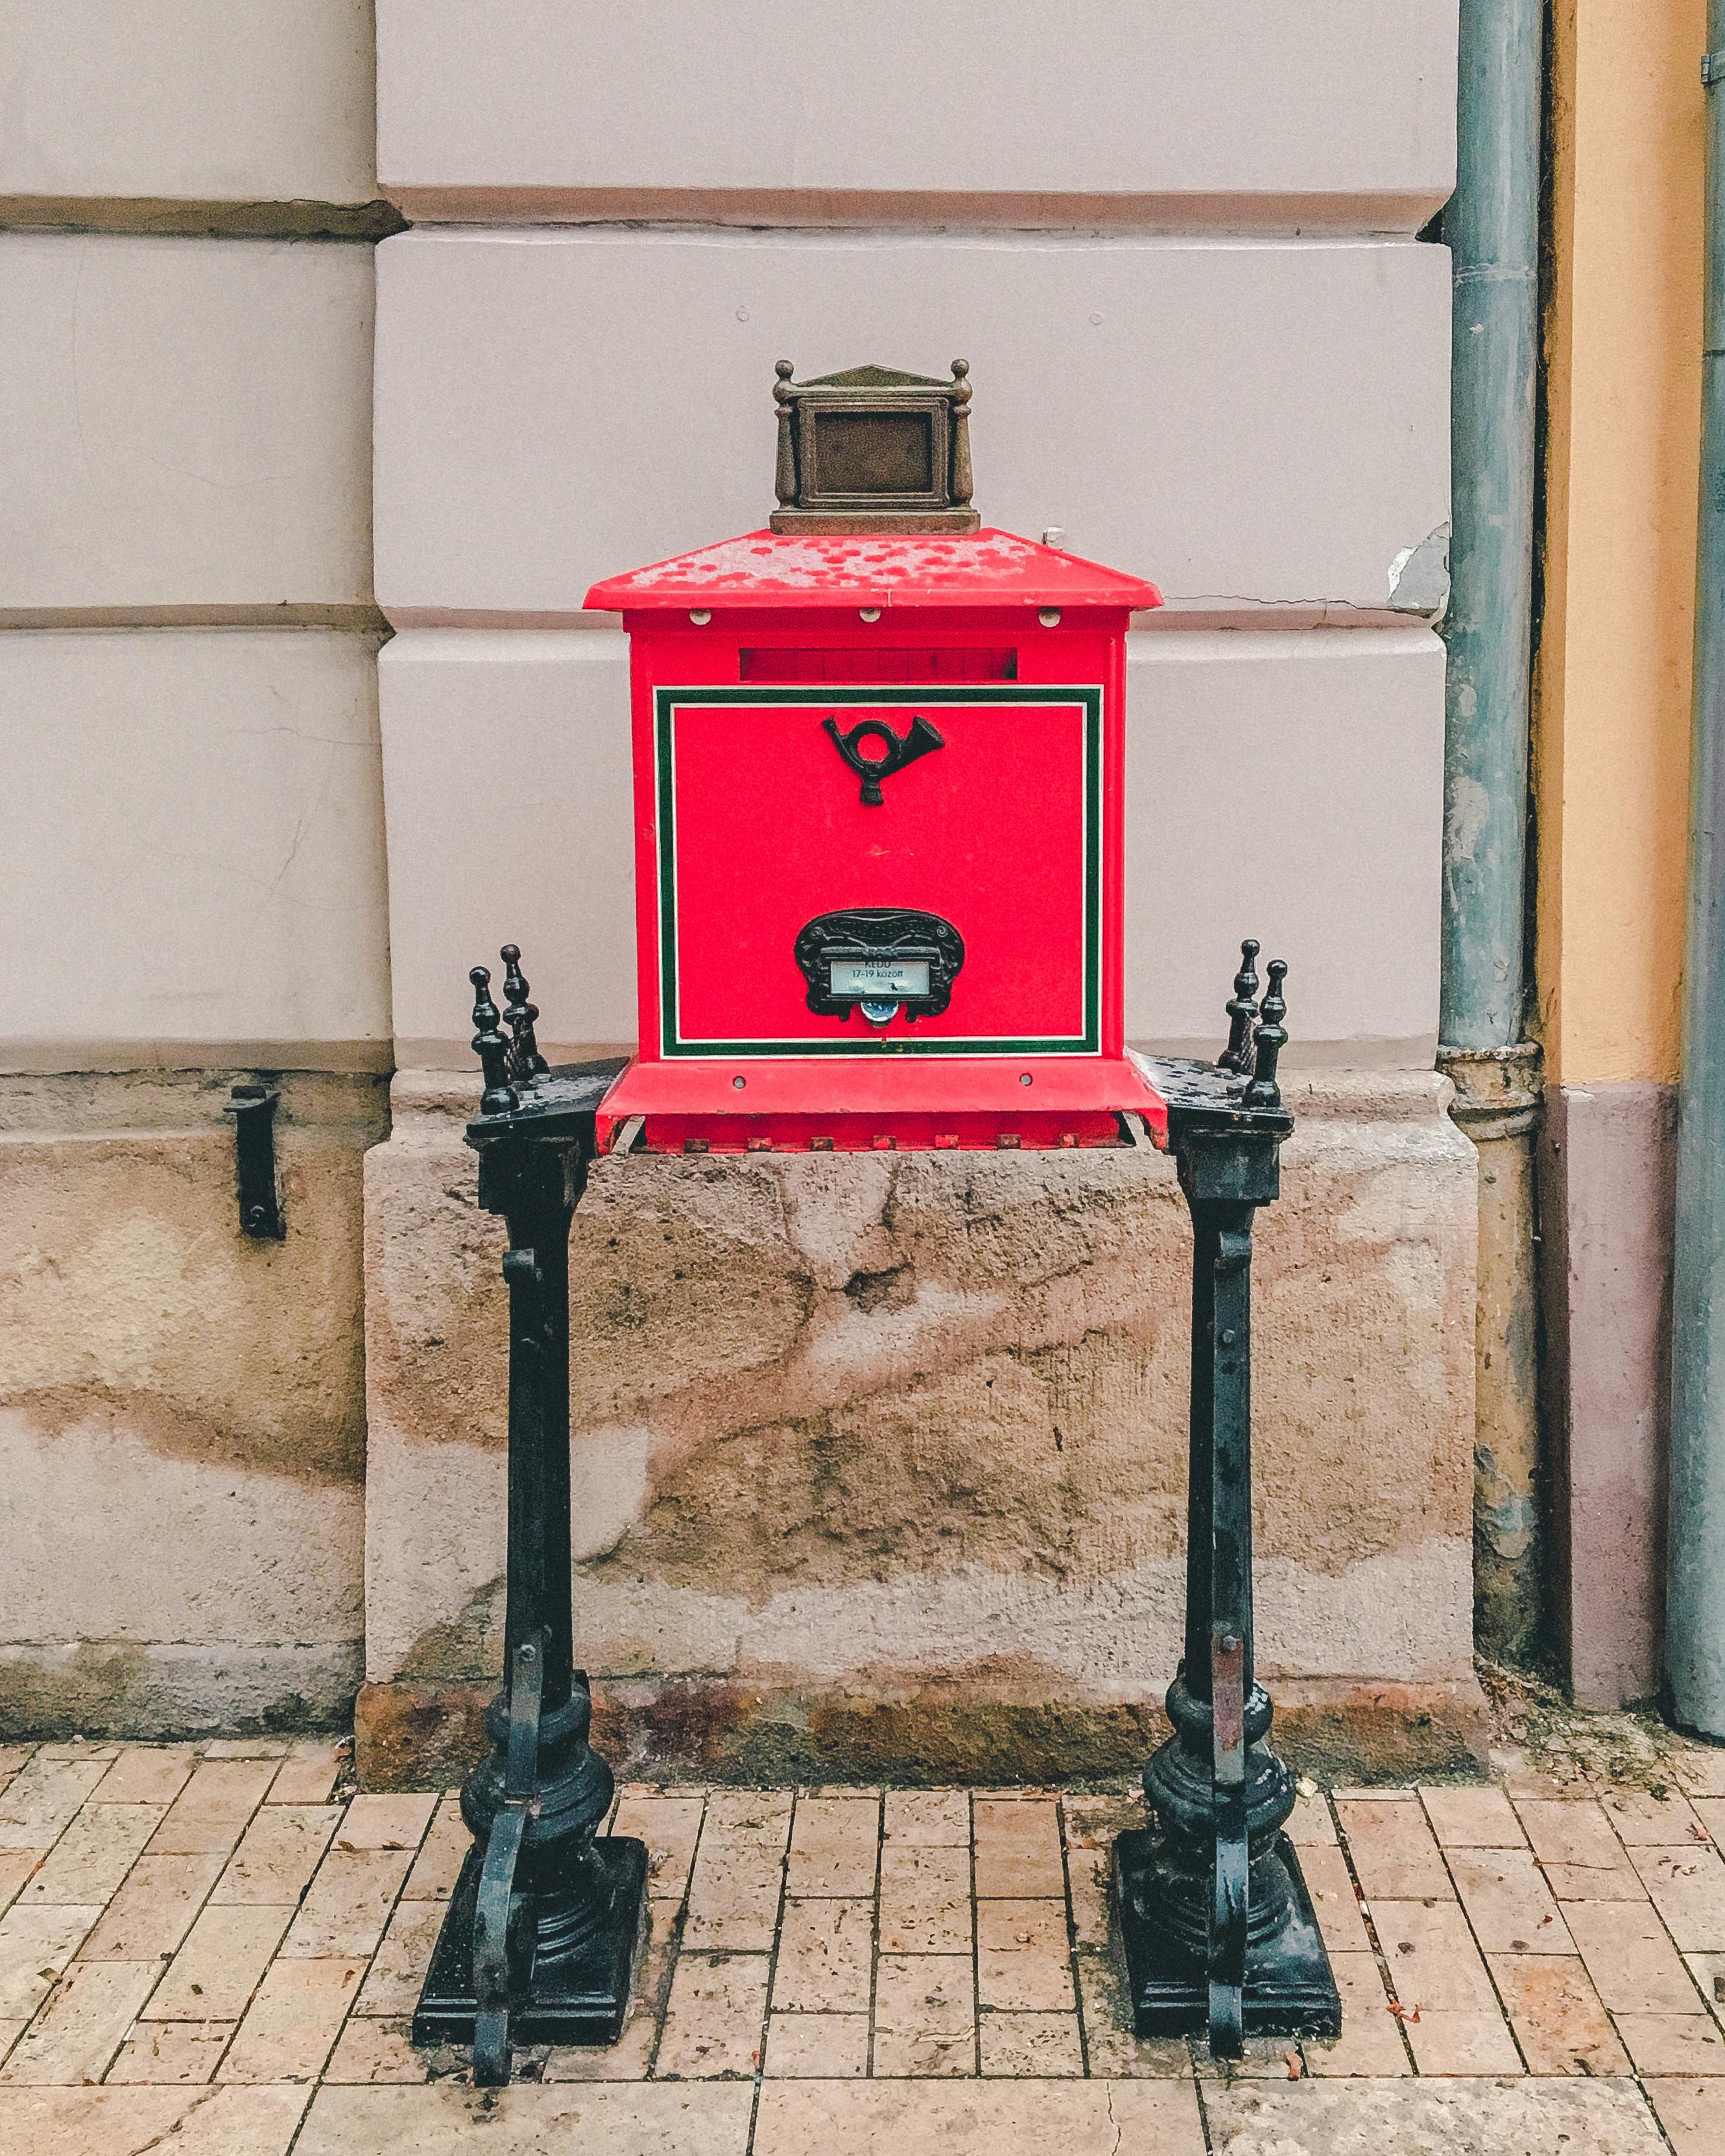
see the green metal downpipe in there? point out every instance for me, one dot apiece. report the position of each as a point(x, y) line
point(1492, 229)
point(1695, 1611)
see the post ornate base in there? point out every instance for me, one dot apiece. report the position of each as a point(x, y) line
point(1289, 1990)
point(539, 1940)
point(572, 1956)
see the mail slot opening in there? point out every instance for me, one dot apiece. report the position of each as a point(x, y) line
point(873, 662)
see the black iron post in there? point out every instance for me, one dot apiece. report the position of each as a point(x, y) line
point(1218, 1925)
point(540, 1937)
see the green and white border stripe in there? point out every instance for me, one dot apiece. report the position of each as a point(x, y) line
point(1089, 699)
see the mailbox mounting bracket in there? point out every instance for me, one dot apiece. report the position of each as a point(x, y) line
point(253, 1108)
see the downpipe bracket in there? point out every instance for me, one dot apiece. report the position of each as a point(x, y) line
point(1500, 1092)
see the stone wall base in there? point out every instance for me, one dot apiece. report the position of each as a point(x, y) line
point(150, 1689)
point(410, 1733)
point(879, 1463)
point(181, 1407)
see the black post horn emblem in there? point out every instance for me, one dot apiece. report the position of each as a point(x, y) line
point(919, 739)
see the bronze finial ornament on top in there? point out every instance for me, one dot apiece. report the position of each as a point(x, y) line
point(874, 450)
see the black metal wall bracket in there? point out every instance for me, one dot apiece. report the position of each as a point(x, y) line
point(253, 1108)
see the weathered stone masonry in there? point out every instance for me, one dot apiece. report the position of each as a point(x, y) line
point(880, 1463)
point(181, 1410)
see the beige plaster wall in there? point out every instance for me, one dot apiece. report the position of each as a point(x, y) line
point(1286, 785)
point(1205, 347)
point(511, 817)
point(210, 100)
point(192, 888)
point(864, 1425)
point(1189, 111)
point(181, 1410)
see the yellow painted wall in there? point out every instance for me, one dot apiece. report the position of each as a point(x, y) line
point(1623, 333)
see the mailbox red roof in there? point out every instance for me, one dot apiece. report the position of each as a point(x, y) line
point(797, 569)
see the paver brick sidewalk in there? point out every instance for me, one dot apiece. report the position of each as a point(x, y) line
point(212, 1949)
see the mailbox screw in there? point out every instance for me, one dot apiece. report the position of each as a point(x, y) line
point(1050, 617)
point(701, 616)
point(739, 1083)
point(868, 613)
point(1025, 1079)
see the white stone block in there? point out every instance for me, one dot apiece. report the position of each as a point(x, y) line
point(1284, 784)
point(1218, 111)
point(207, 101)
point(506, 772)
point(1249, 424)
point(1288, 786)
point(195, 848)
point(185, 424)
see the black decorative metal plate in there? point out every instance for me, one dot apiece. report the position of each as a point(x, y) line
point(891, 934)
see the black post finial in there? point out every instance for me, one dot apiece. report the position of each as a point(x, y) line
point(526, 1063)
point(1272, 1038)
point(1242, 1009)
point(492, 1049)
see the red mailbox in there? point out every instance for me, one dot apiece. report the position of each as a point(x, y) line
point(879, 807)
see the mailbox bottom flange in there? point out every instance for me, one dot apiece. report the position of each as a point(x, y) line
point(879, 1133)
point(885, 1103)
point(1290, 1990)
point(575, 1993)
